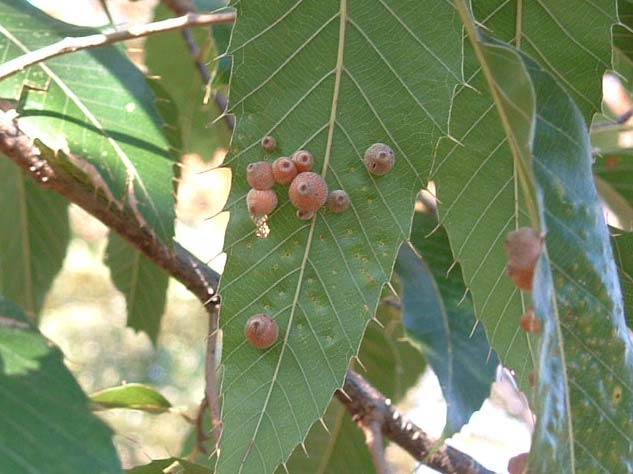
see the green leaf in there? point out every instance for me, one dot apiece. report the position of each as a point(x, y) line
point(585, 337)
point(143, 283)
point(329, 77)
point(168, 58)
point(134, 396)
point(440, 317)
point(582, 426)
point(623, 41)
point(96, 106)
point(35, 234)
point(623, 251)
point(46, 425)
point(175, 465)
point(393, 366)
point(477, 185)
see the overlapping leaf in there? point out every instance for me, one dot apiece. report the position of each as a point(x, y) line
point(326, 76)
point(33, 239)
point(47, 425)
point(582, 427)
point(623, 251)
point(476, 181)
point(439, 315)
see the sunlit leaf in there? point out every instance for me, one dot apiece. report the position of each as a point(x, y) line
point(96, 107)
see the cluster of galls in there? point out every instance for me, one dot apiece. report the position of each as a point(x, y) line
point(308, 192)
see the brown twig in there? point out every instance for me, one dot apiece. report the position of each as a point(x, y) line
point(72, 44)
point(368, 406)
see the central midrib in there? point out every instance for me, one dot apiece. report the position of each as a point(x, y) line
point(326, 161)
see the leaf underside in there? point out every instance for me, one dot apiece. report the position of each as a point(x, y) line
point(392, 365)
point(582, 426)
point(478, 190)
point(327, 77)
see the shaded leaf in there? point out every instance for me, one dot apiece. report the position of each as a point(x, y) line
point(35, 234)
point(440, 317)
point(134, 396)
point(96, 106)
point(316, 71)
point(46, 423)
point(477, 185)
point(142, 282)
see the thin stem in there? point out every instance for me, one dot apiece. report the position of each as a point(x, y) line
point(376, 446)
point(72, 44)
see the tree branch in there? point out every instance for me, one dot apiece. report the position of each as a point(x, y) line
point(368, 406)
point(72, 44)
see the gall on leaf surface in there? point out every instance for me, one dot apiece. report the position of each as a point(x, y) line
point(325, 77)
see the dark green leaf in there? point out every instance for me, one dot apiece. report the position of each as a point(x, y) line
point(96, 106)
point(326, 76)
point(623, 41)
point(134, 396)
point(143, 283)
point(46, 426)
point(33, 237)
point(440, 317)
